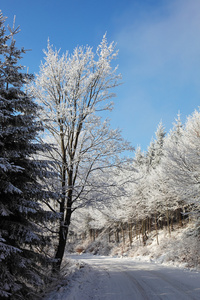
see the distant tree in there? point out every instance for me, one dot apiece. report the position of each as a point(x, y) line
point(159, 143)
point(172, 141)
point(183, 160)
point(71, 90)
point(150, 156)
point(139, 160)
point(21, 213)
point(177, 130)
point(175, 183)
point(147, 205)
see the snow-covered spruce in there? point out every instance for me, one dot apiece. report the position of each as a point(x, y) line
point(21, 215)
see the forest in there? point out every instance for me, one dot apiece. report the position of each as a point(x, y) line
point(65, 181)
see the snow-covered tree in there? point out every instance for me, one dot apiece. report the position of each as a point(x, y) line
point(176, 181)
point(172, 140)
point(139, 160)
point(150, 156)
point(21, 213)
point(72, 89)
point(177, 130)
point(145, 205)
point(183, 161)
point(159, 143)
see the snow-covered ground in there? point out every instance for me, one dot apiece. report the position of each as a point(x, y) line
point(114, 278)
point(181, 248)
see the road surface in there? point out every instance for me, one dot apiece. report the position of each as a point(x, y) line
point(108, 278)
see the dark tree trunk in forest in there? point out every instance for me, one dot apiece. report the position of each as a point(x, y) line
point(143, 230)
point(63, 232)
point(61, 247)
point(137, 231)
point(179, 217)
point(168, 223)
point(149, 224)
point(123, 232)
point(109, 234)
point(117, 235)
point(156, 228)
point(65, 219)
point(130, 232)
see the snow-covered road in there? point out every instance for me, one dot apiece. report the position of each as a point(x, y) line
point(108, 278)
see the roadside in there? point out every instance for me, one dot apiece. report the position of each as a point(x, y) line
point(112, 278)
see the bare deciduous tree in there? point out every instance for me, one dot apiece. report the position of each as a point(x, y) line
point(71, 89)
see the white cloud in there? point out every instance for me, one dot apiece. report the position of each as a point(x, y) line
point(167, 39)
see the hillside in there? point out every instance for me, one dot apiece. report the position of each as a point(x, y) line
point(179, 248)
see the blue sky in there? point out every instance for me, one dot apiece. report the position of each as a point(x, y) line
point(159, 52)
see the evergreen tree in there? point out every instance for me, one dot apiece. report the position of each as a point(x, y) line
point(139, 160)
point(176, 132)
point(21, 213)
point(155, 149)
point(159, 143)
point(150, 156)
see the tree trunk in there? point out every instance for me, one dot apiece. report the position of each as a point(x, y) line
point(136, 229)
point(123, 233)
point(180, 217)
point(149, 224)
point(109, 234)
point(117, 234)
point(130, 232)
point(156, 228)
point(61, 248)
point(63, 232)
point(65, 220)
point(168, 224)
point(144, 235)
point(171, 222)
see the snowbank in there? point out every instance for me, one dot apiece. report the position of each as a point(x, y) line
point(180, 248)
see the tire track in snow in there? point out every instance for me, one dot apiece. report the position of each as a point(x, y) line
point(144, 292)
point(183, 289)
point(107, 278)
point(166, 287)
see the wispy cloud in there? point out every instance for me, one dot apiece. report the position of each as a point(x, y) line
point(160, 41)
point(160, 61)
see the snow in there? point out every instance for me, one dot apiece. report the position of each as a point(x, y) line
point(119, 271)
point(114, 278)
point(179, 248)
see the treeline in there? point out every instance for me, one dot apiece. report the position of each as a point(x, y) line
point(161, 192)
